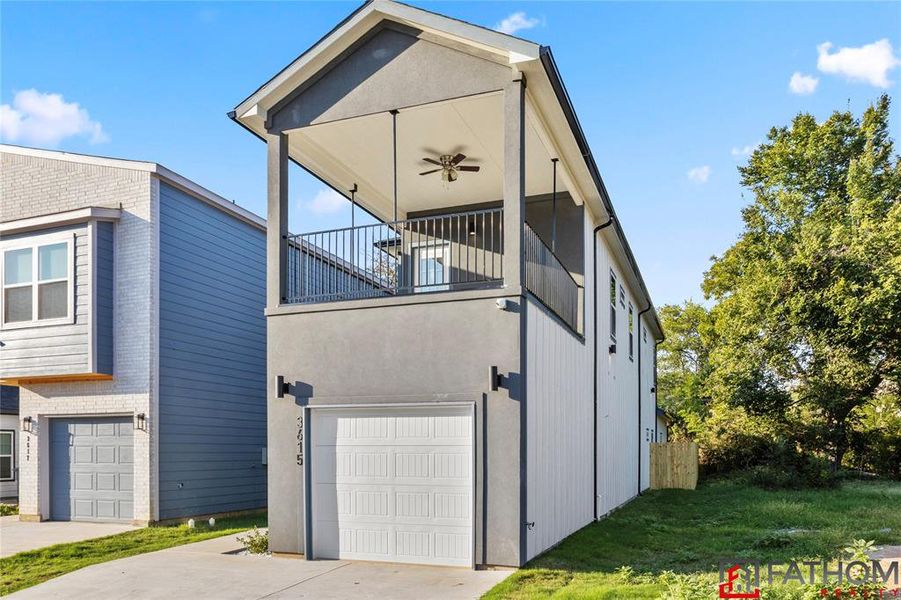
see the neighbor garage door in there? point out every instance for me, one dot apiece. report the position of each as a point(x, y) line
point(393, 485)
point(91, 469)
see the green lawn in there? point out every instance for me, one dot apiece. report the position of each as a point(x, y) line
point(31, 568)
point(687, 532)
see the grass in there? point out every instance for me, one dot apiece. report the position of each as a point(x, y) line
point(36, 566)
point(690, 531)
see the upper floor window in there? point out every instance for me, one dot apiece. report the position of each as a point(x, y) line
point(37, 281)
point(612, 306)
point(7, 452)
point(622, 296)
point(631, 333)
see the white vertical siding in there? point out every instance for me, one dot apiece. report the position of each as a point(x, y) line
point(559, 424)
point(559, 451)
point(648, 406)
point(618, 428)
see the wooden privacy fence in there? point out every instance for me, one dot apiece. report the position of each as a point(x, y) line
point(674, 465)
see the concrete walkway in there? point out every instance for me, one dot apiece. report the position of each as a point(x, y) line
point(208, 570)
point(18, 536)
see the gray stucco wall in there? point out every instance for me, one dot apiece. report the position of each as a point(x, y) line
point(433, 350)
point(212, 391)
point(391, 68)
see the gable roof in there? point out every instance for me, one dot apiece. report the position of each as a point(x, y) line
point(545, 86)
point(167, 175)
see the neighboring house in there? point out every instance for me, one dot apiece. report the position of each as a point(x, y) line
point(9, 442)
point(132, 324)
point(493, 393)
point(663, 422)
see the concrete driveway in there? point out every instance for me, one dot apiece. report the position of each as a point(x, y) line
point(208, 570)
point(18, 536)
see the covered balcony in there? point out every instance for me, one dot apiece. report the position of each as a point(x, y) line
point(452, 195)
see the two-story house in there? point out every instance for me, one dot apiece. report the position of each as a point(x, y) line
point(490, 390)
point(131, 320)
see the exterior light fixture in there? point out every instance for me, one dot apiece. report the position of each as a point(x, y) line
point(471, 227)
point(141, 421)
point(27, 424)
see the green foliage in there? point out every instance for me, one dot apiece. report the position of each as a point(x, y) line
point(800, 352)
point(8, 509)
point(670, 542)
point(860, 550)
point(255, 541)
point(683, 365)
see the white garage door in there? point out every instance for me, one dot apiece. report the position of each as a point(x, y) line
point(393, 485)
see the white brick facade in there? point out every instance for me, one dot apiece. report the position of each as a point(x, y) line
point(33, 186)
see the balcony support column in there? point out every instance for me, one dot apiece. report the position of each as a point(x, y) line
point(277, 219)
point(514, 180)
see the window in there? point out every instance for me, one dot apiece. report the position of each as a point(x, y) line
point(432, 271)
point(644, 335)
point(7, 451)
point(612, 306)
point(37, 281)
point(622, 296)
point(631, 334)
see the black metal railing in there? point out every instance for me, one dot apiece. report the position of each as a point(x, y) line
point(549, 280)
point(455, 251)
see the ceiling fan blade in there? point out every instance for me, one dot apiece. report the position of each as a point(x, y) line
point(432, 171)
point(470, 169)
point(433, 161)
point(456, 160)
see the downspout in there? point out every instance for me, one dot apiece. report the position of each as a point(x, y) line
point(656, 433)
point(594, 492)
point(638, 331)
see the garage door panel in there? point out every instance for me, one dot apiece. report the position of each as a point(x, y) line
point(89, 480)
point(393, 484)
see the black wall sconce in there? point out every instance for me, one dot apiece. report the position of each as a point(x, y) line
point(28, 424)
point(141, 421)
point(612, 349)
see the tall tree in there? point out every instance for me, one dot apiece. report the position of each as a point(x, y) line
point(683, 363)
point(808, 300)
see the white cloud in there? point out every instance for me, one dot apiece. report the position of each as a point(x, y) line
point(515, 22)
point(46, 119)
point(803, 85)
point(326, 202)
point(699, 174)
point(743, 150)
point(869, 63)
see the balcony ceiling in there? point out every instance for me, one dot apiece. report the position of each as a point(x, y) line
point(359, 150)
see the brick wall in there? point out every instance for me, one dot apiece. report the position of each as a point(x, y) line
point(33, 186)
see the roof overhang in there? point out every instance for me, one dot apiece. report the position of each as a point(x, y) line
point(69, 217)
point(549, 104)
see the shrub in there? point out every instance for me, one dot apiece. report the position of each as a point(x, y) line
point(256, 541)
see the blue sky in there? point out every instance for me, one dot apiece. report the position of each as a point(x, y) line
point(669, 94)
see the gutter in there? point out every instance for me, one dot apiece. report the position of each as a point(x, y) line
point(638, 331)
point(550, 67)
point(594, 236)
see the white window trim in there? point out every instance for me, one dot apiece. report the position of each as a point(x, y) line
point(34, 242)
point(439, 249)
point(12, 454)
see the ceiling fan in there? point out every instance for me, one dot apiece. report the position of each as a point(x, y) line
point(449, 166)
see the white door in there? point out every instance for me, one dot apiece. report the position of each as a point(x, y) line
point(393, 484)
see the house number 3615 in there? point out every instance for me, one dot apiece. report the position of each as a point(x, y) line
point(300, 441)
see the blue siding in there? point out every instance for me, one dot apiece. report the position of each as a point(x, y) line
point(104, 308)
point(212, 359)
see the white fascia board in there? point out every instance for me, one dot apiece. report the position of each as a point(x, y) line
point(69, 217)
point(85, 159)
point(209, 197)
